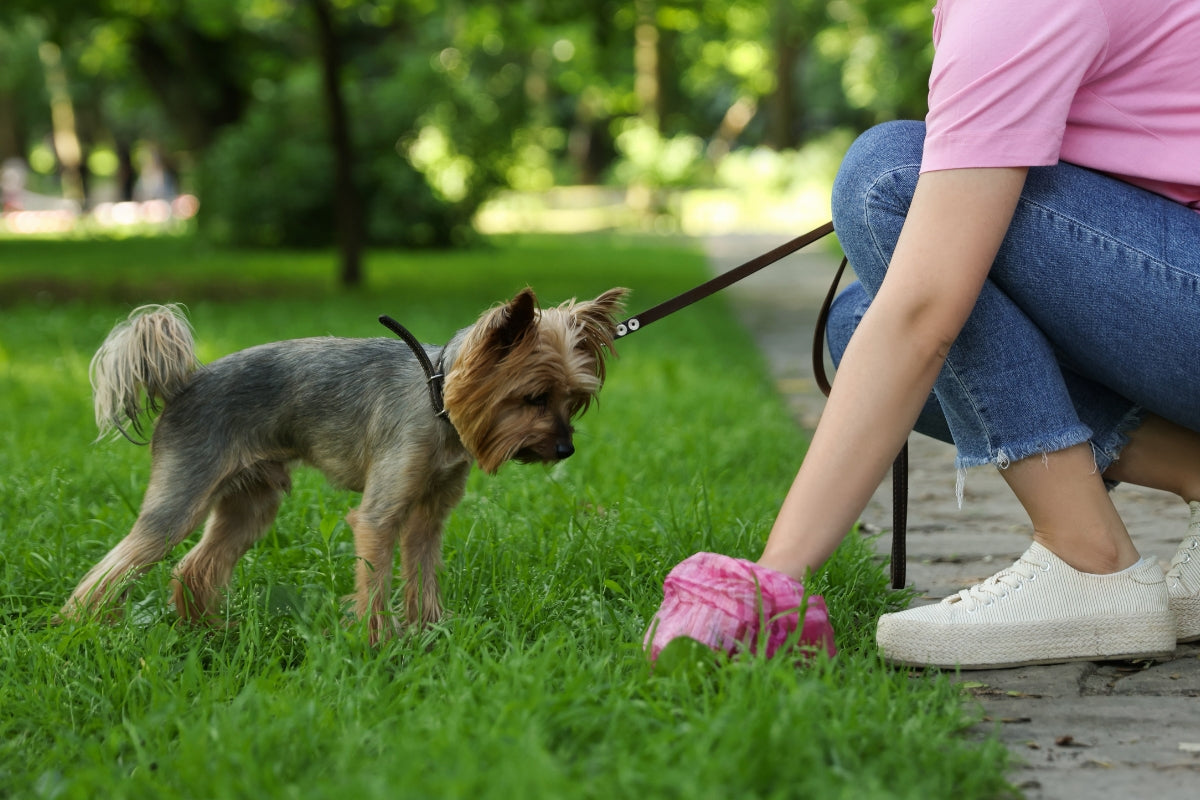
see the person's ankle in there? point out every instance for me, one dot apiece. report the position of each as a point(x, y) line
point(1096, 556)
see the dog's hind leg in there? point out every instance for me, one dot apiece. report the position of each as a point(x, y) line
point(421, 547)
point(176, 501)
point(243, 511)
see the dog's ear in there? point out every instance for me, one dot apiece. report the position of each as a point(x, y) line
point(510, 322)
point(599, 316)
point(598, 324)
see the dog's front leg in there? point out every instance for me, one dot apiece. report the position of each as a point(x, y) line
point(421, 556)
point(421, 545)
point(375, 547)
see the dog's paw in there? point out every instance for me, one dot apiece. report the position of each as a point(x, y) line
point(382, 626)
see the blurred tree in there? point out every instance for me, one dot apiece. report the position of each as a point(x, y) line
point(346, 203)
point(883, 49)
point(389, 122)
point(62, 119)
point(24, 116)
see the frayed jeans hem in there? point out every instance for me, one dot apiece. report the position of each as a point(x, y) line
point(1004, 457)
point(1108, 449)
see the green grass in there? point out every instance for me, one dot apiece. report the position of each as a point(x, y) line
point(536, 687)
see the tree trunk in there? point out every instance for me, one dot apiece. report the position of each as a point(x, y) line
point(782, 123)
point(194, 76)
point(793, 32)
point(645, 63)
point(62, 118)
point(347, 203)
point(11, 145)
point(736, 118)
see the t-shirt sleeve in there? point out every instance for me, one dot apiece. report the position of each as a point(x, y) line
point(1004, 77)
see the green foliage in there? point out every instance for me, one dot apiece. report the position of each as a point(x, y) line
point(449, 102)
point(282, 142)
point(884, 49)
point(649, 159)
point(269, 180)
point(433, 128)
point(536, 686)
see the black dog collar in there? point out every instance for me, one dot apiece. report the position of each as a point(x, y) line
point(435, 378)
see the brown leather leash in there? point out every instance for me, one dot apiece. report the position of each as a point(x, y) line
point(726, 279)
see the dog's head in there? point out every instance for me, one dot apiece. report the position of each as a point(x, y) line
point(522, 374)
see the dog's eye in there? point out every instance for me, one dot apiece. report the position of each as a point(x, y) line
point(538, 400)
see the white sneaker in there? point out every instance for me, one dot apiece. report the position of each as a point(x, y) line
point(1183, 582)
point(1038, 611)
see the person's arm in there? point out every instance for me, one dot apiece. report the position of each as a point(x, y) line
point(950, 238)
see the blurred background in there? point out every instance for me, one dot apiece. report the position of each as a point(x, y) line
point(429, 123)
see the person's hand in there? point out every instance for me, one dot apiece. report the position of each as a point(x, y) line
point(730, 604)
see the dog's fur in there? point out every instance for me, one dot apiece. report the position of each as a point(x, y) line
point(357, 409)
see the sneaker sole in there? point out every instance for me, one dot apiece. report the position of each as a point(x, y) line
point(988, 646)
point(1187, 618)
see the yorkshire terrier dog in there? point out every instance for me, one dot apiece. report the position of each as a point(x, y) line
point(363, 411)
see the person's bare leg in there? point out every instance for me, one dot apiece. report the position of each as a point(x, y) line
point(1160, 455)
point(1070, 509)
point(1163, 455)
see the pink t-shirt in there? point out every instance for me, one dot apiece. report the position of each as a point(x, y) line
point(1112, 85)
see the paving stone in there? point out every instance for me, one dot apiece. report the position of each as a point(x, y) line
point(1098, 730)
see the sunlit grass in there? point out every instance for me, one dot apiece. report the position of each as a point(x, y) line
point(536, 686)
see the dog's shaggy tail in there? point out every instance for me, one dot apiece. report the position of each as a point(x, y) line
point(150, 354)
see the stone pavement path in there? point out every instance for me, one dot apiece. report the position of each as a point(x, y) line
point(1096, 730)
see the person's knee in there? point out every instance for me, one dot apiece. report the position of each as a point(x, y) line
point(872, 192)
point(877, 152)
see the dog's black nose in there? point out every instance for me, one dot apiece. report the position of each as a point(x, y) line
point(564, 450)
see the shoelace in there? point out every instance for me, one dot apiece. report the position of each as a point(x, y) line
point(999, 585)
point(1175, 576)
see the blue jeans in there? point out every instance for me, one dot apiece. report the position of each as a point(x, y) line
point(1089, 318)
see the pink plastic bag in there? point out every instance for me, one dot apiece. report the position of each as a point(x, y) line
point(724, 602)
